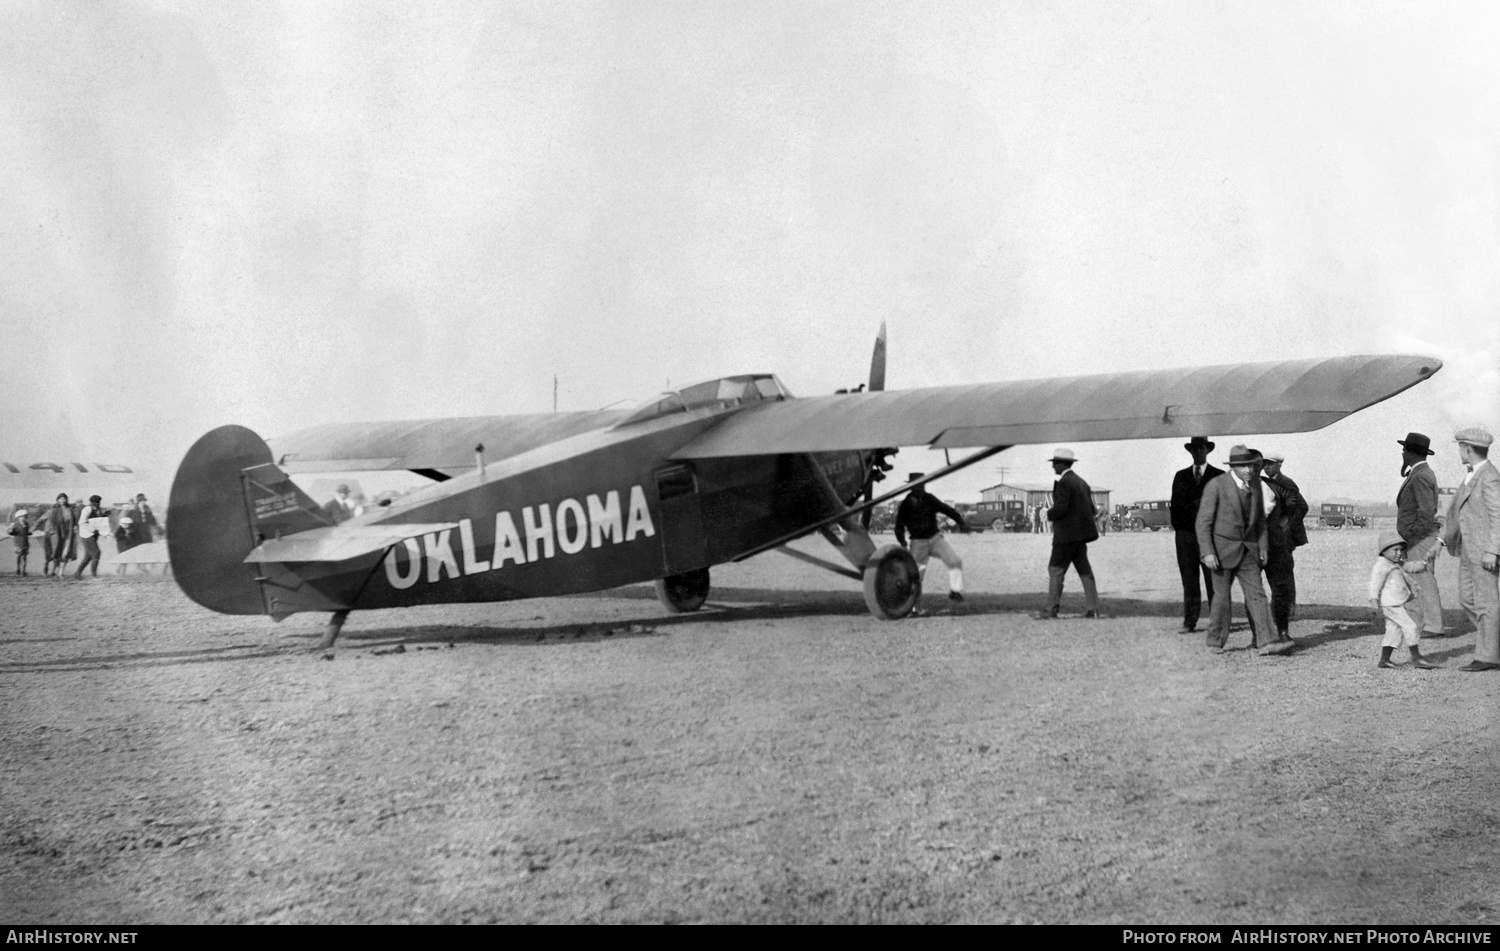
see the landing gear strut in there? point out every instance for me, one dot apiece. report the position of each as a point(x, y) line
point(683, 593)
point(331, 633)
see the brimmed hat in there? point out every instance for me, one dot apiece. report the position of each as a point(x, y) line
point(1063, 455)
point(1275, 457)
point(1416, 442)
point(1198, 442)
point(1240, 456)
point(1474, 436)
point(914, 476)
point(1387, 539)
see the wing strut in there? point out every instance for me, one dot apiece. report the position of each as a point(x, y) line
point(821, 563)
point(871, 503)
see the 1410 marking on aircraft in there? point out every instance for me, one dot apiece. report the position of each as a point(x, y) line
point(551, 504)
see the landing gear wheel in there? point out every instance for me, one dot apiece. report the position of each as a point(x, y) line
point(892, 583)
point(683, 593)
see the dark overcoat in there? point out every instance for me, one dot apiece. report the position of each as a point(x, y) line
point(1072, 512)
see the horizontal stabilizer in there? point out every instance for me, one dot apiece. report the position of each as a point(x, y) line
point(339, 543)
point(151, 553)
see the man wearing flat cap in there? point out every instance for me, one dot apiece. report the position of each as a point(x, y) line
point(1232, 536)
point(1187, 491)
point(1417, 524)
point(1073, 527)
point(1285, 508)
point(1472, 533)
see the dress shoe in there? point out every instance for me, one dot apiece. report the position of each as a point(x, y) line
point(955, 596)
point(1093, 615)
point(1422, 663)
point(1278, 648)
point(1475, 666)
point(1387, 665)
point(1048, 615)
point(1187, 628)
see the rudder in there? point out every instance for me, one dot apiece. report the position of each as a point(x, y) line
point(213, 522)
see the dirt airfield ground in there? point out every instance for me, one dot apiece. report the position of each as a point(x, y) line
point(779, 757)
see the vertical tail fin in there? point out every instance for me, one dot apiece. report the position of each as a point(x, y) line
point(228, 497)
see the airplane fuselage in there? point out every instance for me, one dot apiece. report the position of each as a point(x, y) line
point(594, 511)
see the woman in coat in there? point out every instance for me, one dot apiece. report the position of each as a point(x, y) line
point(62, 534)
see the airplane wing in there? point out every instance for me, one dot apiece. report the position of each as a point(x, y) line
point(428, 444)
point(339, 542)
point(1281, 397)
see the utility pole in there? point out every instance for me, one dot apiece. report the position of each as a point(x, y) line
point(1002, 470)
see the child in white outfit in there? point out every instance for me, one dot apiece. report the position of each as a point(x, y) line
point(1389, 593)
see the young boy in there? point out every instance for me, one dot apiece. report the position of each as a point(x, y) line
point(1388, 592)
point(20, 531)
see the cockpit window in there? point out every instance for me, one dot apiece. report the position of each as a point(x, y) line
point(723, 393)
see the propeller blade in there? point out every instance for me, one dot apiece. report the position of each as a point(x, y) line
point(877, 362)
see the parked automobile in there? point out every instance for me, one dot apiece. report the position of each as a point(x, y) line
point(883, 518)
point(1154, 515)
point(1007, 515)
point(1341, 515)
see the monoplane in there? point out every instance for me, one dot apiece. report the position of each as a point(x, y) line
point(552, 504)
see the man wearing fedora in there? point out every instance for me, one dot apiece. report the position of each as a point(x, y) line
point(1187, 491)
point(1232, 536)
point(1472, 533)
point(1073, 527)
point(1417, 524)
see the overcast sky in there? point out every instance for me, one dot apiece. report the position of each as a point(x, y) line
point(286, 214)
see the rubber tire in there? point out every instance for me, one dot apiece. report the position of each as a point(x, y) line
point(684, 593)
point(1137, 525)
point(1156, 528)
point(998, 525)
point(893, 585)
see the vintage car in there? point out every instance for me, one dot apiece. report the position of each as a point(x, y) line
point(1341, 515)
point(1155, 515)
point(1007, 515)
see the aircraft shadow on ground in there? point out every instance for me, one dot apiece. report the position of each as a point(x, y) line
point(164, 659)
point(726, 606)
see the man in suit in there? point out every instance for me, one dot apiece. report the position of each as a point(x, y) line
point(1417, 524)
point(1232, 536)
point(1073, 527)
point(1285, 508)
point(1187, 490)
point(1472, 533)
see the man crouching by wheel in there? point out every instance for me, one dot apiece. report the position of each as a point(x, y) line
point(918, 514)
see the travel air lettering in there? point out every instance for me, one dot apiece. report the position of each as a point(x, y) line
point(570, 527)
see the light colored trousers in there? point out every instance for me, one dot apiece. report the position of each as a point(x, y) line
point(1479, 593)
point(923, 549)
point(1400, 629)
point(1221, 608)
